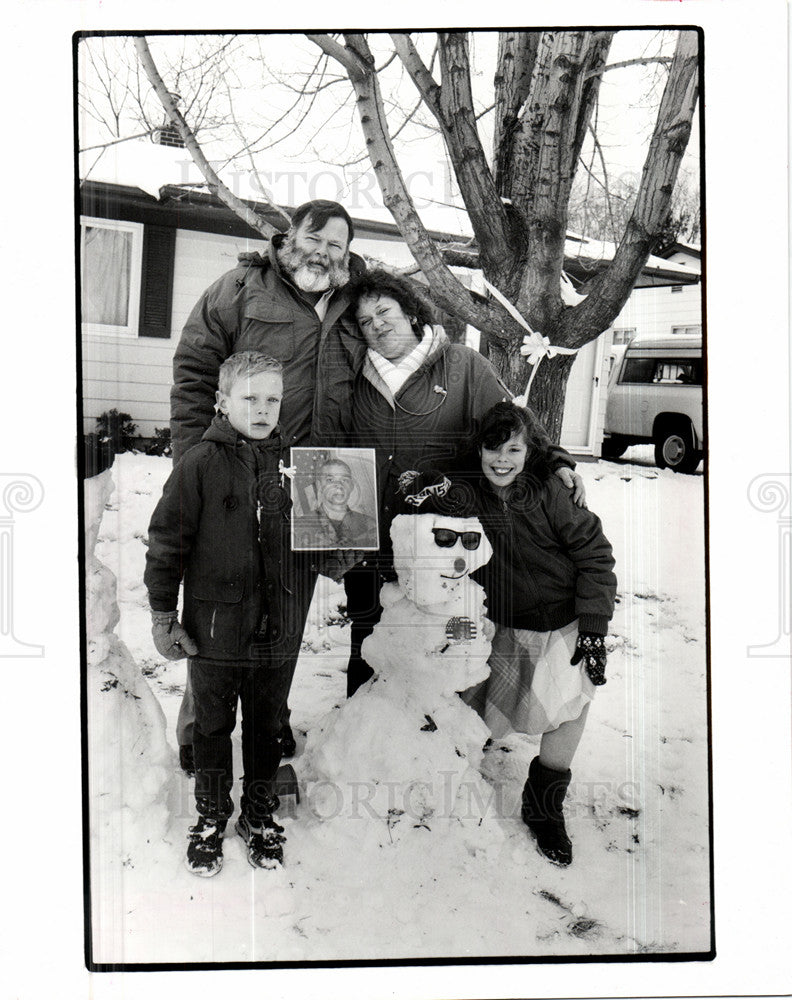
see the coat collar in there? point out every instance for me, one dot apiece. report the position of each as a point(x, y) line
point(439, 346)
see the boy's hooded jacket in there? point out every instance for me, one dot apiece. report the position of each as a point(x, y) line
point(256, 307)
point(222, 525)
point(551, 561)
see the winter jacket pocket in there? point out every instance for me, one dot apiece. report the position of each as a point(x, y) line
point(216, 622)
point(268, 330)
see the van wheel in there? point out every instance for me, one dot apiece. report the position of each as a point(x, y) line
point(613, 447)
point(674, 449)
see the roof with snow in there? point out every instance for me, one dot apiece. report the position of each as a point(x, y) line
point(186, 207)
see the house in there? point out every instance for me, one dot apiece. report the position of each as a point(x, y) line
point(146, 259)
point(660, 308)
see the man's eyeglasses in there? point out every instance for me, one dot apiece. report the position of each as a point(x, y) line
point(446, 538)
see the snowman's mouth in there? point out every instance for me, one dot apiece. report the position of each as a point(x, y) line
point(453, 577)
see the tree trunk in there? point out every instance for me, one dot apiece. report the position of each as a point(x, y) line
point(548, 389)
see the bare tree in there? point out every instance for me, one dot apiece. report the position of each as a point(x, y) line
point(518, 194)
point(546, 88)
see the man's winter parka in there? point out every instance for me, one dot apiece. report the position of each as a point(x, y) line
point(256, 307)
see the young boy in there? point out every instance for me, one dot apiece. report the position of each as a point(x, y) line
point(222, 526)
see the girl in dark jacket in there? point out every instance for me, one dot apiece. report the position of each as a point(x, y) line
point(550, 591)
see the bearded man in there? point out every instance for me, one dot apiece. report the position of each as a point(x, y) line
point(291, 304)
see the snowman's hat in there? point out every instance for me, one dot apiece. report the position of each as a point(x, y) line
point(432, 492)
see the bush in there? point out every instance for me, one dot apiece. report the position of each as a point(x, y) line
point(117, 429)
point(160, 444)
point(114, 433)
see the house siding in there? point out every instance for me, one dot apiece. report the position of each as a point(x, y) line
point(653, 312)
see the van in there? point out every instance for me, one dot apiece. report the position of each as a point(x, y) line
point(655, 397)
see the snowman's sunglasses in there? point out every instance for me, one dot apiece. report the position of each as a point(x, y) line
point(446, 538)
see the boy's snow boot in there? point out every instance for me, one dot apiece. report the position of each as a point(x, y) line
point(187, 759)
point(205, 848)
point(263, 837)
point(542, 811)
point(287, 742)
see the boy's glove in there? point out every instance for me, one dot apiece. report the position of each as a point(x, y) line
point(171, 640)
point(590, 649)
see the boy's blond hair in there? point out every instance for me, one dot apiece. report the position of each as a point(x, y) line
point(245, 364)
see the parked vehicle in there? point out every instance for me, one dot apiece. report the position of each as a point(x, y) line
point(655, 396)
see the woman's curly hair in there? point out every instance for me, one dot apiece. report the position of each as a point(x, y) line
point(378, 282)
point(506, 419)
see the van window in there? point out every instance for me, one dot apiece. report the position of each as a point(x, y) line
point(640, 370)
point(663, 371)
point(678, 373)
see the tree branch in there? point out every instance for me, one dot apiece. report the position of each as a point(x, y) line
point(610, 289)
point(646, 61)
point(175, 117)
point(449, 293)
point(356, 69)
point(425, 83)
point(284, 217)
point(546, 151)
point(115, 142)
point(516, 59)
point(451, 103)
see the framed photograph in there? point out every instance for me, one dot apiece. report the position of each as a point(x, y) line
point(334, 494)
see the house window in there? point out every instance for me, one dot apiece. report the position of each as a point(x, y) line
point(694, 330)
point(110, 264)
point(623, 335)
point(677, 288)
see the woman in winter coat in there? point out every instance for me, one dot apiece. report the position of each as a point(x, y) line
point(417, 401)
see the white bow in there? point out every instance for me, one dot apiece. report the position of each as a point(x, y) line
point(534, 346)
point(286, 471)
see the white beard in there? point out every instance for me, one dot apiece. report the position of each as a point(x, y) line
point(311, 281)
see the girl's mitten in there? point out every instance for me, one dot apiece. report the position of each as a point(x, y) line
point(590, 648)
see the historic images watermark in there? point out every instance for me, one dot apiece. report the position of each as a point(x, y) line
point(20, 493)
point(771, 493)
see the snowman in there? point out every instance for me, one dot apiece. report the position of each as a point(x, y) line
point(405, 749)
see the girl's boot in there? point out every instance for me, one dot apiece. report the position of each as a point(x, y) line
point(542, 811)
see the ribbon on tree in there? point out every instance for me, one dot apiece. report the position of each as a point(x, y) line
point(534, 346)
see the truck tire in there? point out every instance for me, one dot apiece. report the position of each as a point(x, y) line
point(674, 448)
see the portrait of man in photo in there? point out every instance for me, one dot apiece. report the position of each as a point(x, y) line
point(327, 514)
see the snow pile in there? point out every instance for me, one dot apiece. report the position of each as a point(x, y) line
point(130, 762)
point(362, 888)
point(406, 751)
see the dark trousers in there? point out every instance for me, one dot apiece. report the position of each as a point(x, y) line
point(362, 584)
point(280, 648)
point(261, 692)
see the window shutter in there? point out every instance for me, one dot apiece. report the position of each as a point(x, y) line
point(156, 281)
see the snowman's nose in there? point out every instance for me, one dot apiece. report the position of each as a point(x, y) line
point(459, 565)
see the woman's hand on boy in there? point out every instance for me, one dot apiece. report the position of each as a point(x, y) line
point(171, 640)
point(573, 481)
point(590, 648)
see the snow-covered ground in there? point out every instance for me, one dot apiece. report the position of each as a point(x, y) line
point(637, 809)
